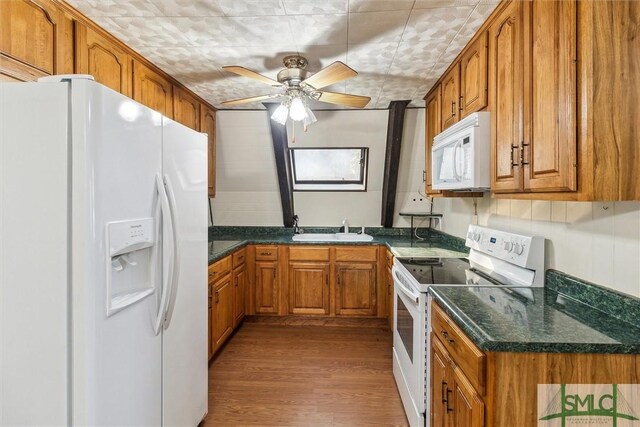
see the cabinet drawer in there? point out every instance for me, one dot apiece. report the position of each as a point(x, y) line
point(239, 257)
point(266, 253)
point(465, 354)
point(219, 269)
point(308, 253)
point(364, 253)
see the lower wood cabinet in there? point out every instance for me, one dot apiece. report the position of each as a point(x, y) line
point(266, 287)
point(454, 401)
point(356, 289)
point(309, 288)
point(222, 311)
point(228, 288)
point(239, 294)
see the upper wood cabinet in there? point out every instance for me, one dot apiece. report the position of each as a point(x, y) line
point(473, 77)
point(208, 126)
point(152, 89)
point(450, 97)
point(186, 108)
point(101, 57)
point(309, 288)
point(550, 146)
point(355, 289)
point(533, 77)
point(36, 40)
point(433, 126)
point(507, 83)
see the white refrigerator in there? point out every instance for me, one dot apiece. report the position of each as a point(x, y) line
point(103, 259)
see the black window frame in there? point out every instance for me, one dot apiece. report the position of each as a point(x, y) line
point(364, 171)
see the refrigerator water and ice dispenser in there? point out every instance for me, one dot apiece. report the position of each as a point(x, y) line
point(131, 251)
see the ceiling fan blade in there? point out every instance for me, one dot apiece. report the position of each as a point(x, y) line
point(329, 75)
point(251, 99)
point(245, 72)
point(356, 101)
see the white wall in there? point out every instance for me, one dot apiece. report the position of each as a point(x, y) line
point(247, 186)
point(598, 242)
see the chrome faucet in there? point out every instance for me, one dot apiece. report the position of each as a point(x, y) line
point(345, 225)
point(296, 228)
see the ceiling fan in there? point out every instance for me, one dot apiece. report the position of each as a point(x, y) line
point(299, 86)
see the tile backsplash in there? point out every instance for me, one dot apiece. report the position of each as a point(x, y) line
point(595, 241)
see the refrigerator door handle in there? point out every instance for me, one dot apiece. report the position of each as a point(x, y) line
point(176, 253)
point(167, 221)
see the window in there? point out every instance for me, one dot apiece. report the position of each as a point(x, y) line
point(329, 169)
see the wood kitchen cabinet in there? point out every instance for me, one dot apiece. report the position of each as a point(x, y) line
point(433, 126)
point(186, 108)
point(534, 101)
point(208, 126)
point(152, 89)
point(309, 288)
point(266, 287)
point(36, 40)
point(454, 401)
point(355, 289)
point(101, 57)
point(507, 80)
point(240, 287)
point(450, 106)
point(473, 77)
point(223, 309)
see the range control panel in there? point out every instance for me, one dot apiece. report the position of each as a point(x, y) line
point(517, 249)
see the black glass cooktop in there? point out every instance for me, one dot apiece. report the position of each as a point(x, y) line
point(437, 271)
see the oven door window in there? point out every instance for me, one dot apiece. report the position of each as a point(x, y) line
point(404, 326)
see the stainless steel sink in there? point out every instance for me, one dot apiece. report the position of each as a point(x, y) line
point(332, 237)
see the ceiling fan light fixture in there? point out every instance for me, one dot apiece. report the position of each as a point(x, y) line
point(281, 114)
point(297, 111)
point(310, 117)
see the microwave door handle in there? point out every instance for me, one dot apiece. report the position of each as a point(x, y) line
point(457, 149)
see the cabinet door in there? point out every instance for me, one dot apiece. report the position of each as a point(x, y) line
point(208, 126)
point(210, 329)
point(390, 298)
point(152, 89)
point(267, 287)
point(222, 312)
point(186, 108)
point(439, 383)
point(433, 126)
point(506, 69)
point(551, 142)
point(464, 403)
point(473, 77)
point(450, 92)
point(239, 294)
point(356, 289)
point(36, 40)
point(309, 288)
point(103, 59)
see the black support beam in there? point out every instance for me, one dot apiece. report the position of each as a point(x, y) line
point(392, 160)
point(281, 152)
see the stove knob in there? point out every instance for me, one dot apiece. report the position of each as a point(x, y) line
point(518, 248)
point(508, 246)
point(477, 237)
point(471, 235)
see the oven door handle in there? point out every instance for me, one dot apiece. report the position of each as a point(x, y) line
point(397, 274)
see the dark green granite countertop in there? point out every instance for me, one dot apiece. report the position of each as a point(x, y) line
point(228, 239)
point(498, 319)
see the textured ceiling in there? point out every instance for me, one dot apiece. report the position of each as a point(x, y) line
point(398, 47)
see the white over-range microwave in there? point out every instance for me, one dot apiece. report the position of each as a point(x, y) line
point(460, 155)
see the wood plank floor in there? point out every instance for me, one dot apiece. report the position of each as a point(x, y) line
point(273, 374)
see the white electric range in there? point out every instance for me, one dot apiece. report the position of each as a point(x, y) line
point(496, 258)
